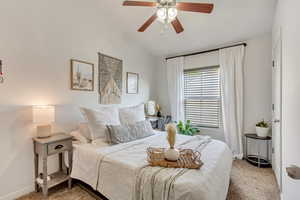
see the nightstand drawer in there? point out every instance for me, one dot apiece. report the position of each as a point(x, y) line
point(57, 147)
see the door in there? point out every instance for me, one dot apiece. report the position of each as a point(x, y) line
point(276, 111)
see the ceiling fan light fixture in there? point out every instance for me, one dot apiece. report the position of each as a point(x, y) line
point(166, 14)
point(167, 11)
point(172, 13)
point(161, 13)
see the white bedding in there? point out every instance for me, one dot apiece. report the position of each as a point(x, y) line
point(112, 170)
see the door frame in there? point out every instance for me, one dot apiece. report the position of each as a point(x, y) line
point(277, 42)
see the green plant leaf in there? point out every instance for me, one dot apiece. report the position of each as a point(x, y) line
point(262, 124)
point(186, 128)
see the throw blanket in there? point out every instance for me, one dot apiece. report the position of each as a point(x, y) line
point(154, 183)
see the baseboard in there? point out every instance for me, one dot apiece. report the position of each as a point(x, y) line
point(281, 196)
point(19, 193)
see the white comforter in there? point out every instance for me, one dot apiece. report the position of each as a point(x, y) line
point(113, 170)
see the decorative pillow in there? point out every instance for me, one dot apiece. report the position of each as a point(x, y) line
point(84, 130)
point(131, 115)
point(129, 132)
point(79, 137)
point(99, 119)
point(119, 134)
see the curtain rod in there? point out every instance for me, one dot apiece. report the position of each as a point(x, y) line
point(207, 51)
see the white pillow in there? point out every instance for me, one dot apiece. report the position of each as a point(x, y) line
point(79, 137)
point(98, 119)
point(131, 115)
point(84, 130)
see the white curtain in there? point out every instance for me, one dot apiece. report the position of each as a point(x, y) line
point(176, 87)
point(232, 84)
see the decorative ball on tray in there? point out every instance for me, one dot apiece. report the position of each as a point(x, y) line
point(171, 154)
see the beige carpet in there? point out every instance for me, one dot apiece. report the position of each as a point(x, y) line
point(247, 183)
point(251, 183)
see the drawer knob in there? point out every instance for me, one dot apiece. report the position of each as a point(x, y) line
point(59, 146)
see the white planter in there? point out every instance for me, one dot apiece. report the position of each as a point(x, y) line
point(172, 154)
point(262, 132)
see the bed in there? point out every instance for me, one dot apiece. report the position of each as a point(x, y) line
point(119, 172)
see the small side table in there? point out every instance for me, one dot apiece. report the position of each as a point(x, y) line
point(159, 122)
point(45, 147)
point(154, 120)
point(258, 160)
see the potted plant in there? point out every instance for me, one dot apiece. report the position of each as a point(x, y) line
point(262, 129)
point(187, 129)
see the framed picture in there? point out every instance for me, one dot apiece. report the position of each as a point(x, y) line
point(82, 75)
point(110, 79)
point(132, 83)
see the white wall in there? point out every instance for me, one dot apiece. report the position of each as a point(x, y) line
point(39, 38)
point(258, 88)
point(258, 81)
point(202, 60)
point(287, 19)
point(37, 41)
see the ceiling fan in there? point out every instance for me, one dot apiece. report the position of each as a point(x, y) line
point(167, 11)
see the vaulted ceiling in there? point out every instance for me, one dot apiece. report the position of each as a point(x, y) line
point(231, 21)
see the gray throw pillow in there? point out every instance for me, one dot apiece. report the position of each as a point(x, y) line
point(125, 133)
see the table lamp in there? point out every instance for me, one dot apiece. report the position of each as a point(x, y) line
point(43, 116)
point(151, 108)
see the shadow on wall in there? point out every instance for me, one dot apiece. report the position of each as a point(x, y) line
point(16, 130)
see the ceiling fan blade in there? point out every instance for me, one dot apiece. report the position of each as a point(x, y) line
point(195, 7)
point(148, 23)
point(139, 3)
point(177, 26)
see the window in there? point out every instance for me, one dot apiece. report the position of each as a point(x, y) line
point(202, 101)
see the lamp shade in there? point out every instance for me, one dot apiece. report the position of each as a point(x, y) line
point(43, 114)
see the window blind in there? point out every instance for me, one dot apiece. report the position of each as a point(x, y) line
point(202, 103)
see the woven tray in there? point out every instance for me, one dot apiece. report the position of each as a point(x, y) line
point(188, 159)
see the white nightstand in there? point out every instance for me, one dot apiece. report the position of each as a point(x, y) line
point(44, 147)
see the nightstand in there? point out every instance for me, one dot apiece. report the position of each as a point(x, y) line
point(45, 147)
point(158, 123)
point(154, 121)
